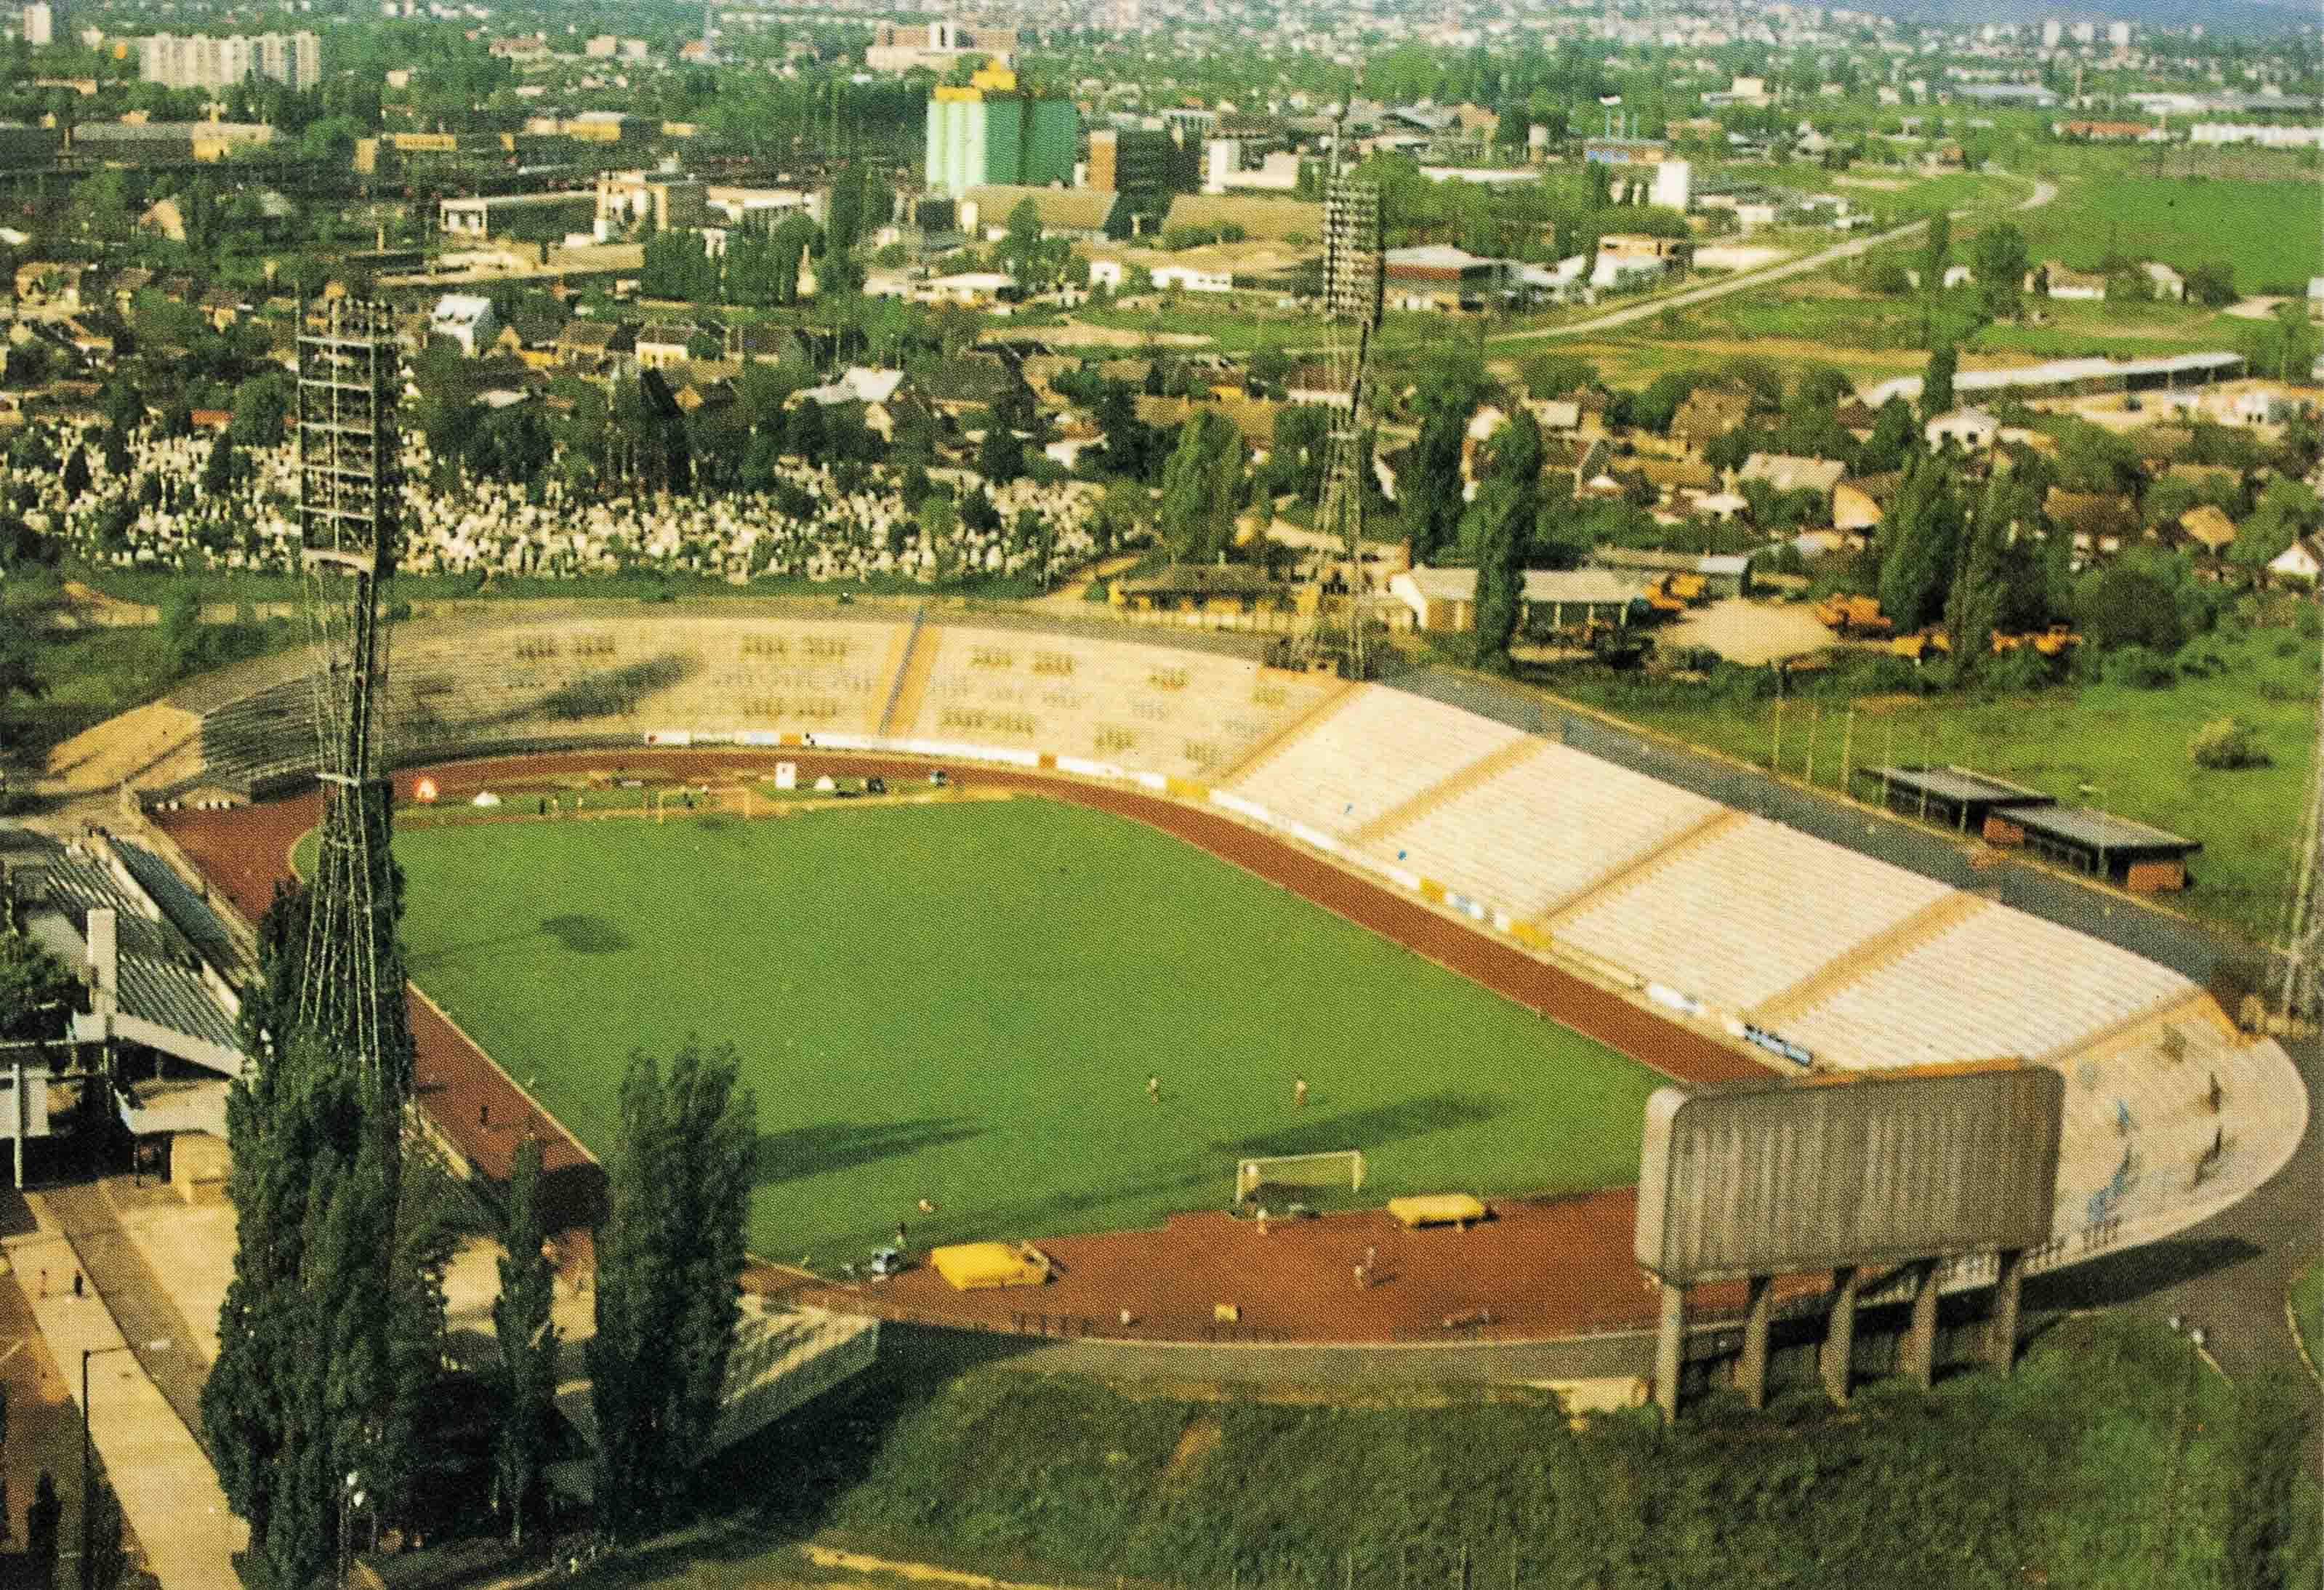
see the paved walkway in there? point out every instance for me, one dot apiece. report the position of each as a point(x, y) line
point(168, 1491)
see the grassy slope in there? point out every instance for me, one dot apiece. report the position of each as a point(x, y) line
point(964, 1001)
point(2056, 1475)
point(2130, 743)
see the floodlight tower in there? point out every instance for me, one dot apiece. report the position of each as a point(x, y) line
point(2302, 980)
point(1353, 286)
point(351, 984)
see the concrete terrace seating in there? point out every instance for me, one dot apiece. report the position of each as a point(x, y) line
point(1999, 981)
point(1187, 713)
point(1363, 758)
point(1543, 830)
point(1747, 912)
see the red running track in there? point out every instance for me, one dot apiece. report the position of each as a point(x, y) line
point(1544, 1267)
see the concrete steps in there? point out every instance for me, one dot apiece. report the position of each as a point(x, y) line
point(1938, 917)
point(1701, 831)
point(1489, 766)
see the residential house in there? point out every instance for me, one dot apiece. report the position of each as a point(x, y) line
point(1786, 472)
point(2296, 564)
point(1855, 507)
point(664, 343)
point(126, 284)
point(585, 341)
point(48, 282)
point(1707, 415)
point(2100, 522)
point(466, 319)
point(2053, 280)
point(881, 391)
point(2209, 528)
point(532, 336)
point(1972, 430)
point(221, 307)
point(1192, 279)
point(976, 378)
point(2169, 285)
point(758, 342)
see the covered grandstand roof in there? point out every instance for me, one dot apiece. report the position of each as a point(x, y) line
point(160, 976)
point(2067, 373)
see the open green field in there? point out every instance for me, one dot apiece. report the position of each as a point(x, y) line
point(2129, 745)
point(963, 1002)
point(2268, 230)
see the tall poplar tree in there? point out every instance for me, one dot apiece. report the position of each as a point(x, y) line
point(668, 1260)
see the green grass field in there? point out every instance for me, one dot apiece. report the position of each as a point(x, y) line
point(2267, 230)
point(963, 1002)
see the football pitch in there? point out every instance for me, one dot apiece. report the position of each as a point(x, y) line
point(963, 1002)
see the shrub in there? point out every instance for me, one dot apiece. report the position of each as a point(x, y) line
point(2139, 667)
point(2016, 672)
point(2227, 742)
point(2201, 661)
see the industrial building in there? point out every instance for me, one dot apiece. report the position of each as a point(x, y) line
point(990, 134)
point(1143, 161)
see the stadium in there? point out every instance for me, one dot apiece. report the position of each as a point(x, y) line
point(1656, 927)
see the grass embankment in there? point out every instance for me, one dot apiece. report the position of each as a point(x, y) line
point(2108, 1459)
point(964, 1001)
point(2128, 745)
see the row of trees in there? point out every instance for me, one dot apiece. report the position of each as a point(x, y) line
point(330, 1376)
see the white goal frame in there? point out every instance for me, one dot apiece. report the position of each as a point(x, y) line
point(1256, 1173)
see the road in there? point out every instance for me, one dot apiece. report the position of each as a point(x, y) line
point(2044, 192)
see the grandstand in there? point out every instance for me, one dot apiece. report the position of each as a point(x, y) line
point(1743, 914)
point(1854, 963)
point(1367, 758)
point(1544, 829)
point(1185, 714)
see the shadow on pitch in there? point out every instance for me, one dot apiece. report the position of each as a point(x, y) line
point(843, 1145)
point(585, 935)
point(1368, 1129)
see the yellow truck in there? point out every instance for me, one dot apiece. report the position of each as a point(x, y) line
point(1845, 615)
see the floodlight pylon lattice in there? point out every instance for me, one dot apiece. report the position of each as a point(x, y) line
point(2301, 975)
point(1354, 286)
point(351, 985)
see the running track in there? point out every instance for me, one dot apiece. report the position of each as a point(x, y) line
point(1547, 1268)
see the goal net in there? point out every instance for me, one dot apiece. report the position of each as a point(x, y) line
point(1338, 1168)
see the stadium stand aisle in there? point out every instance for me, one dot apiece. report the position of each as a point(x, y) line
point(1999, 981)
point(1543, 830)
point(1747, 912)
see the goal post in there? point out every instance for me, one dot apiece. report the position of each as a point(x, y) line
point(1337, 1167)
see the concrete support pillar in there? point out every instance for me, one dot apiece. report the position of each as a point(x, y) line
point(105, 960)
point(1840, 1334)
point(1669, 1350)
point(2002, 1327)
point(1758, 1313)
point(1921, 1340)
point(24, 1119)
